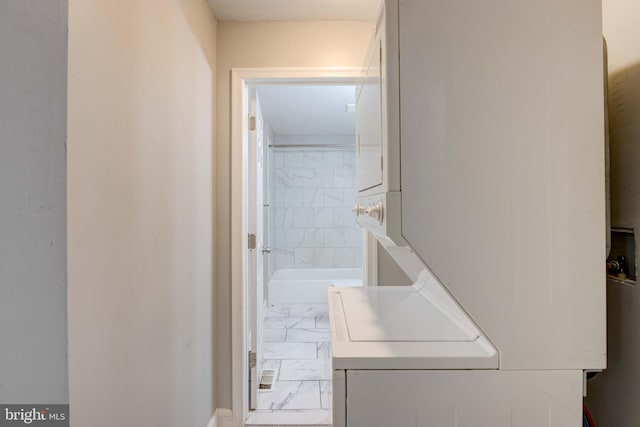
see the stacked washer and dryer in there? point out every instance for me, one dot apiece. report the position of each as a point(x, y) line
point(480, 168)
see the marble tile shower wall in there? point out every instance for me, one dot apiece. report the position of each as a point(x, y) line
point(314, 192)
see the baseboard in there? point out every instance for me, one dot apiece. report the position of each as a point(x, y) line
point(221, 418)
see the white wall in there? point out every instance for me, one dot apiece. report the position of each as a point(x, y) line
point(33, 248)
point(263, 44)
point(614, 394)
point(140, 201)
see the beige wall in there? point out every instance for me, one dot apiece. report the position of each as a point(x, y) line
point(264, 44)
point(389, 272)
point(140, 212)
point(614, 395)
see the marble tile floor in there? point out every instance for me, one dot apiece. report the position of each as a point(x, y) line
point(296, 342)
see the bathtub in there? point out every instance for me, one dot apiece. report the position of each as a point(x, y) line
point(309, 285)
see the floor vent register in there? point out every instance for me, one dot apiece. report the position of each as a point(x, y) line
point(267, 379)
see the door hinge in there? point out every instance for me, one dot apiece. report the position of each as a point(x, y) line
point(252, 241)
point(253, 360)
point(252, 122)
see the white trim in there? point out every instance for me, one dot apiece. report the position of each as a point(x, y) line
point(240, 77)
point(220, 418)
point(238, 245)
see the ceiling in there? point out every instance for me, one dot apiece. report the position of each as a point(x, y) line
point(295, 10)
point(308, 110)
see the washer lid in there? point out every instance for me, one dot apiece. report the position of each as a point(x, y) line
point(400, 315)
point(405, 327)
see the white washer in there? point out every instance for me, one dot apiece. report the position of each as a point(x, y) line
point(411, 356)
point(415, 327)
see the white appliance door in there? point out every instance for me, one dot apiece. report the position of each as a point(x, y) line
point(369, 124)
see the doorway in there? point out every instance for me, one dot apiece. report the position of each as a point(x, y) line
point(296, 190)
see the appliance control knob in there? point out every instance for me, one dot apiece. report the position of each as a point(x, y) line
point(377, 212)
point(358, 209)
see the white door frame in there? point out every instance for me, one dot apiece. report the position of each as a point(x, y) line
point(240, 78)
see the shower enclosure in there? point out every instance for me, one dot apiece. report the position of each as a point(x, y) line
point(315, 240)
